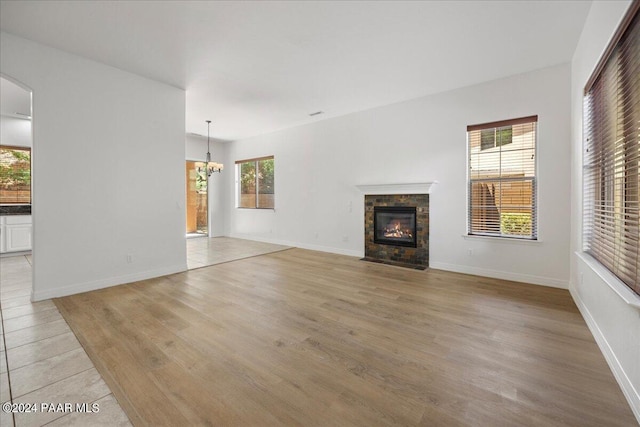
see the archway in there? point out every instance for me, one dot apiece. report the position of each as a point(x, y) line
point(16, 170)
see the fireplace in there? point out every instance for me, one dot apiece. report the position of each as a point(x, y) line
point(396, 229)
point(395, 225)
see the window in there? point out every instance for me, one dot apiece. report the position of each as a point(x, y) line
point(502, 178)
point(255, 183)
point(611, 163)
point(15, 175)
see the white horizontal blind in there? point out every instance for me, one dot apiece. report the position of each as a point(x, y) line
point(611, 226)
point(502, 178)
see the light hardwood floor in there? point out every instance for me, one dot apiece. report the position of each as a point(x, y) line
point(306, 338)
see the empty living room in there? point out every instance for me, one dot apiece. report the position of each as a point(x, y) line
point(320, 213)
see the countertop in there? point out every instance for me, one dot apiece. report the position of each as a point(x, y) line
point(6, 210)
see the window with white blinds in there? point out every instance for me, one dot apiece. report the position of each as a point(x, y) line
point(502, 178)
point(611, 226)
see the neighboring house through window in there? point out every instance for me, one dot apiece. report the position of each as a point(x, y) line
point(256, 183)
point(502, 178)
point(495, 137)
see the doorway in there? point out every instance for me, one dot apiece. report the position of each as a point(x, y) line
point(16, 183)
point(197, 200)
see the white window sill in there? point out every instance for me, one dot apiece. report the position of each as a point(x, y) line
point(610, 279)
point(508, 240)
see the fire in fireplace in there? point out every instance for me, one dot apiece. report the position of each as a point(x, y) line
point(395, 225)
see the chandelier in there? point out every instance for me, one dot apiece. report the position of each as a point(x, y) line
point(209, 166)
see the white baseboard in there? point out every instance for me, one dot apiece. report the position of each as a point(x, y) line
point(320, 248)
point(632, 395)
point(505, 275)
point(105, 283)
point(516, 277)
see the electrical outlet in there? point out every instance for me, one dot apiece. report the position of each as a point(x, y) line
point(129, 258)
point(345, 238)
point(470, 251)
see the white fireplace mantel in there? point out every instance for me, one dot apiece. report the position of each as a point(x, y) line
point(409, 188)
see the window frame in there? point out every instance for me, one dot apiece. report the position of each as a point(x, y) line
point(30, 150)
point(535, 231)
point(239, 193)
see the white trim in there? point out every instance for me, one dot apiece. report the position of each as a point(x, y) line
point(502, 239)
point(105, 283)
point(611, 280)
point(632, 395)
point(330, 249)
point(505, 275)
point(409, 188)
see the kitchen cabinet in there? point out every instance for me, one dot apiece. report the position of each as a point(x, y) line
point(15, 233)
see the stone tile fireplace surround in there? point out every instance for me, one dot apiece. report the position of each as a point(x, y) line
point(398, 195)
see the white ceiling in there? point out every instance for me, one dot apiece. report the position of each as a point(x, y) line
point(255, 67)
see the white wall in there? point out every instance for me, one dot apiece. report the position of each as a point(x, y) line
point(196, 149)
point(614, 323)
point(318, 165)
point(15, 131)
point(108, 170)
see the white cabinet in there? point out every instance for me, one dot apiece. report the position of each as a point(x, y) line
point(3, 231)
point(18, 238)
point(15, 233)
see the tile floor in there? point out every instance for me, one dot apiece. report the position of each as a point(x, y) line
point(41, 361)
point(204, 251)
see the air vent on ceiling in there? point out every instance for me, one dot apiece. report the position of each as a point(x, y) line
point(316, 113)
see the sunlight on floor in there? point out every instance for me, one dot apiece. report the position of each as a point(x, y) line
point(202, 252)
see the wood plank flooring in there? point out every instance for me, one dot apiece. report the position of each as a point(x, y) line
point(307, 338)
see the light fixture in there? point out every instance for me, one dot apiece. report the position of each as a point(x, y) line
point(210, 167)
